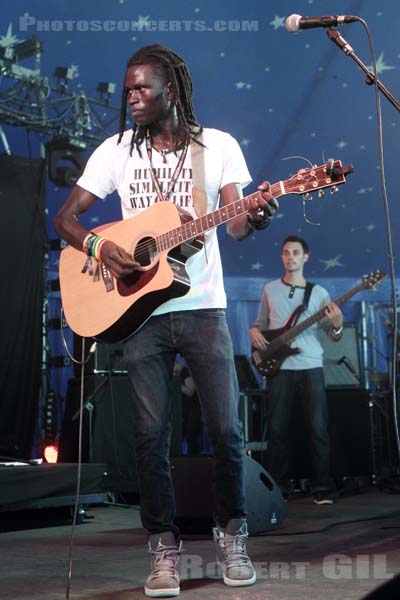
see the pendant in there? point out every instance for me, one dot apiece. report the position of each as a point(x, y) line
point(163, 154)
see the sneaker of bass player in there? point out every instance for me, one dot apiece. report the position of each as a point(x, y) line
point(322, 498)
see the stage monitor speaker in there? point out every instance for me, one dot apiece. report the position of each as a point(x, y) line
point(389, 590)
point(193, 478)
point(340, 358)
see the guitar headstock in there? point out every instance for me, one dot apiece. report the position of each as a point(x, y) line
point(372, 279)
point(331, 174)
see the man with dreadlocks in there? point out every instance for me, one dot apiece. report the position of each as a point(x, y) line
point(155, 162)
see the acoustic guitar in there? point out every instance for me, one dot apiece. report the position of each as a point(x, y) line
point(161, 244)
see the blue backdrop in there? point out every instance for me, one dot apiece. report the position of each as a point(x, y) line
point(281, 95)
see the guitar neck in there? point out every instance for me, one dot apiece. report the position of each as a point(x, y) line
point(293, 332)
point(193, 228)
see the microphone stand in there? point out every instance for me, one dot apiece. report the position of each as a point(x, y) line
point(89, 406)
point(337, 39)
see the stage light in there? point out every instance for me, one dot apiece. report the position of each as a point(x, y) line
point(106, 87)
point(29, 47)
point(50, 454)
point(64, 73)
point(65, 150)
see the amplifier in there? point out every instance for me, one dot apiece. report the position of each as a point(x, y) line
point(342, 359)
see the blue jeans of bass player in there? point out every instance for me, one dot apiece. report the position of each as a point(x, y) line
point(203, 338)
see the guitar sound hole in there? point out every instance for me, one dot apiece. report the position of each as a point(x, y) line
point(145, 251)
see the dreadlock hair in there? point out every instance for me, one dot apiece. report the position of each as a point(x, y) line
point(173, 69)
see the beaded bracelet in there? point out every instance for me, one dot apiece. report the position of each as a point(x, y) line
point(97, 249)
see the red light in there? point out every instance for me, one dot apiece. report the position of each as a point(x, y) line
point(50, 454)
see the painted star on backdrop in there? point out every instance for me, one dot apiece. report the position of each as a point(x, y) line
point(381, 66)
point(342, 144)
point(142, 22)
point(278, 22)
point(74, 71)
point(371, 227)
point(256, 266)
point(9, 39)
point(245, 142)
point(242, 85)
point(332, 262)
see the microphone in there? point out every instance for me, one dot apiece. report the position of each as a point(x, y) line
point(296, 22)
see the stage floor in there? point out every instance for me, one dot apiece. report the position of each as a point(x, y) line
point(338, 552)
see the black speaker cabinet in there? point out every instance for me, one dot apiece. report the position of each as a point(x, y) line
point(350, 432)
point(113, 439)
point(193, 478)
point(350, 435)
point(108, 427)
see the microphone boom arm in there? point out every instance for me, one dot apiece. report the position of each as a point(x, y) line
point(337, 39)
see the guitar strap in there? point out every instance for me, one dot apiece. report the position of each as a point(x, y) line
point(198, 178)
point(307, 295)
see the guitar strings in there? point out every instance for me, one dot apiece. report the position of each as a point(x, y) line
point(144, 248)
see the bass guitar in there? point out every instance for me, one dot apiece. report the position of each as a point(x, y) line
point(269, 361)
point(161, 244)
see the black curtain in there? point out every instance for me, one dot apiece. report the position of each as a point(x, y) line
point(22, 251)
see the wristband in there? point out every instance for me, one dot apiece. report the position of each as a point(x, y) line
point(337, 331)
point(257, 225)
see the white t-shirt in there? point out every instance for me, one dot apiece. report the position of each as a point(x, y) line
point(110, 168)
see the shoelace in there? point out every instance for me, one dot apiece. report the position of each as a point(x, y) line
point(165, 559)
point(234, 546)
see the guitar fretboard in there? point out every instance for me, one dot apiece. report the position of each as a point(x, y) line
point(290, 334)
point(222, 215)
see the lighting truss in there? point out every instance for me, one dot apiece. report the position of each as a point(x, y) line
point(29, 100)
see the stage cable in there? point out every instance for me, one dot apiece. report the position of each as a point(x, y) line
point(78, 478)
point(392, 275)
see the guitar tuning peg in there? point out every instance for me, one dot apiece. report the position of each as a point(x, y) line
point(307, 196)
point(321, 193)
point(334, 189)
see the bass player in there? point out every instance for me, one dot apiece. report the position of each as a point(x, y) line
point(300, 374)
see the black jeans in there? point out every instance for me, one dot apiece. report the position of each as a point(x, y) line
point(306, 386)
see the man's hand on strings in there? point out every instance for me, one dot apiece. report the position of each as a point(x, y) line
point(117, 260)
point(257, 339)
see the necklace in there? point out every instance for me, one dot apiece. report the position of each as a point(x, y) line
point(176, 173)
